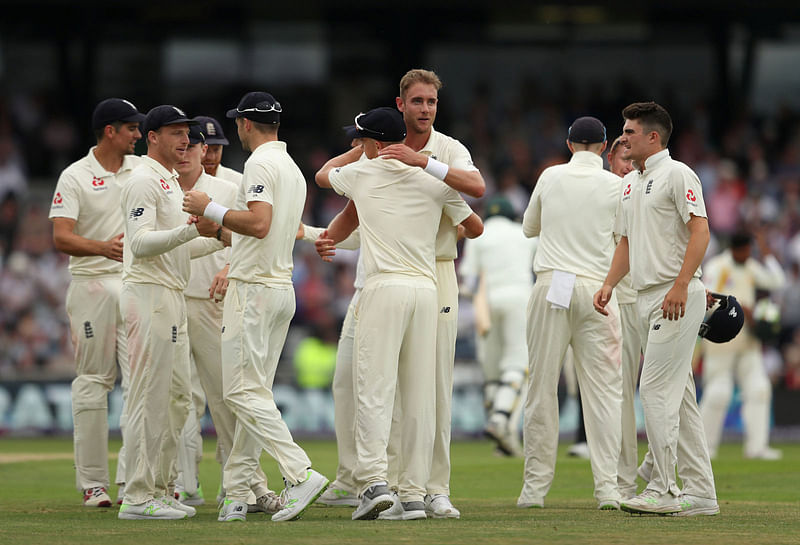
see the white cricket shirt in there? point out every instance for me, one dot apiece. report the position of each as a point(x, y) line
point(204, 268)
point(656, 205)
point(228, 174)
point(399, 210)
point(452, 152)
point(89, 194)
point(503, 254)
point(572, 211)
point(271, 176)
point(152, 202)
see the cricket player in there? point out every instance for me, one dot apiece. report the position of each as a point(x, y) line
point(258, 307)
point(448, 160)
point(88, 225)
point(155, 273)
point(400, 287)
point(735, 272)
point(664, 235)
point(570, 264)
point(503, 257)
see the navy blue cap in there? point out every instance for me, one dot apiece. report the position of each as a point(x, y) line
point(196, 135)
point(724, 322)
point(350, 131)
point(382, 124)
point(587, 130)
point(115, 109)
point(212, 129)
point(257, 106)
point(164, 115)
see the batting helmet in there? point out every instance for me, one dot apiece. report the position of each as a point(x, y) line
point(725, 321)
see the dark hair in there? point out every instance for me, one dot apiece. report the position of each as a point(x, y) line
point(98, 133)
point(652, 116)
point(741, 239)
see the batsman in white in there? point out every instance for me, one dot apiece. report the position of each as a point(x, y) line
point(88, 225)
point(156, 264)
point(735, 272)
point(400, 288)
point(570, 264)
point(258, 307)
point(664, 235)
point(503, 257)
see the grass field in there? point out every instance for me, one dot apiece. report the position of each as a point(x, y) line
point(760, 503)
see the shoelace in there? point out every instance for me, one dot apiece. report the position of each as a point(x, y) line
point(284, 496)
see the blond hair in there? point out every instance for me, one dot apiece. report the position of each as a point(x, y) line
point(418, 75)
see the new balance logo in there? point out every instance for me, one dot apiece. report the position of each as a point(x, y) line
point(174, 333)
point(444, 310)
point(656, 327)
point(238, 508)
point(135, 213)
point(87, 330)
point(255, 189)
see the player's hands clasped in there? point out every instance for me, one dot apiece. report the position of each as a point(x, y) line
point(325, 247)
point(674, 305)
point(601, 299)
point(403, 153)
point(195, 202)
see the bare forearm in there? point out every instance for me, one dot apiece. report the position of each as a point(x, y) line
point(346, 158)
point(245, 222)
point(469, 182)
point(344, 223)
point(695, 251)
point(78, 246)
point(620, 264)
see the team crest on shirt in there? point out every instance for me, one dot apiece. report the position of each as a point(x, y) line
point(649, 187)
point(98, 184)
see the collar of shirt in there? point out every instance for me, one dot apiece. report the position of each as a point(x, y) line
point(159, 168)
point(655, 159)
point(129, 162)
point(427, 149)
point(266, 146)
point(586, 158)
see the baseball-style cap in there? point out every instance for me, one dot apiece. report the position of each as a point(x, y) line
point(164, 115)
point(724, 322)
point(350, 131)
point(383, 124)
point(212, 129)
point(115, 109)
point(257, 106)
point(587, 130)
point(196, 135)
point(498, 205)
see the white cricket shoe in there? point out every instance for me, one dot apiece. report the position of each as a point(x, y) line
point(149, 510)
point(232, 511)
point(175, 504)
point(608, 505)
point(269, 503)
point(651, 502)
point(96, 497)
point(404, 510)
point(299, 496)
point(769, 454)
point(374, 501)
point(498, 429)
point(439, 506)
point(334, 497)
point(694, 505)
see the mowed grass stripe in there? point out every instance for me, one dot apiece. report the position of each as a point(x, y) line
point(759, 502)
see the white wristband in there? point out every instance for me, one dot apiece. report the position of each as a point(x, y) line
point(436, 168)
point(215, 212)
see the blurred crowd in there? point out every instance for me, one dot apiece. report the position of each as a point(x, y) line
point(749, 166)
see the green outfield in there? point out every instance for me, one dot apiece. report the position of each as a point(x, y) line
point(760, 503)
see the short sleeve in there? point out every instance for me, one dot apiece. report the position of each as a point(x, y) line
point(341, 179)
point(454, 207)
point(460, 158)
point(687, 193)
point(66, 199)
point(259, 180)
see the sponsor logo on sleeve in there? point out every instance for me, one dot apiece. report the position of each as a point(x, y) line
point(164, 185)
point(255, 189)
point(690, 196)
point(58, 199)
point(136, 213)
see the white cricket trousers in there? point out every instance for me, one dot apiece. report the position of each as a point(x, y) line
point(205, 344)
point(719, 371)
point(159, 399)
point(631, 359)
point(254, 325)
point(666, 389)
point(98, 335)
point(395, 341)
point(596, 344)
point(344, 402)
